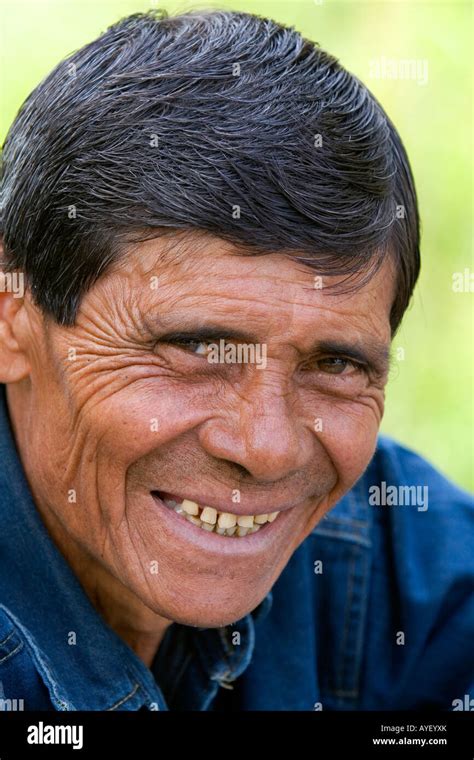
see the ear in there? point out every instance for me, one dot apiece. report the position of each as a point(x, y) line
point(14, 364)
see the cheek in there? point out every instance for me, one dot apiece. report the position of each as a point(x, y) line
point(349, 436)
point(98, 439)
point(142, 417)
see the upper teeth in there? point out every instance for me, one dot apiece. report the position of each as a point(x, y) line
point(224, 523)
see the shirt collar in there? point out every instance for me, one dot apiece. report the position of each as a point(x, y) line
point(46, 601)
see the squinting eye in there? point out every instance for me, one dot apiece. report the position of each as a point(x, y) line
point(199, 348)
point(334, 365)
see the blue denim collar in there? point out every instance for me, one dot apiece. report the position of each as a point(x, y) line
point(43, 597)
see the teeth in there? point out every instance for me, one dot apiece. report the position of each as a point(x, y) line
point(209, 515)
point(222, 523)
point(193, 520)
point(190, 507)
point(226, 520)
point(245, 521)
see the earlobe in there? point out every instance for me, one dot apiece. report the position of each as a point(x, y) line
point(14, 364)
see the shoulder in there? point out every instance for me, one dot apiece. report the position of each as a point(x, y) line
point(422, 583)
point(429, 520)
point(396, 465)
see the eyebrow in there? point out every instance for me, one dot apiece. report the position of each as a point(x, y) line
point(373, 353)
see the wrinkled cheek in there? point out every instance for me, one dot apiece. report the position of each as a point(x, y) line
point(98, 442)
point(350, 438)
point(135, 424)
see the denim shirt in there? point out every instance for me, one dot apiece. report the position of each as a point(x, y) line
point(375, 610)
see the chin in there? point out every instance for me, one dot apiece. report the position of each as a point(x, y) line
point(206, 610)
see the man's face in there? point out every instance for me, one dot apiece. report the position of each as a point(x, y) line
point(126, 407)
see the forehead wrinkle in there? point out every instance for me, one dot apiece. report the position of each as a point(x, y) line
point(179, 251)
point(220, 300)
point(166, 249)
point(210, 285)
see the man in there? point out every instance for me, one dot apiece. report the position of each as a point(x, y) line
point(196, 513)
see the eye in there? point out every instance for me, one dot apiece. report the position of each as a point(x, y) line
point(200, 348)
point(334, 365)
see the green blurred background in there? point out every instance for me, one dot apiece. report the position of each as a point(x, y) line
point(430, 393)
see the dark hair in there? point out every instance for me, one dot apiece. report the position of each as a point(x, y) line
point(176, 123)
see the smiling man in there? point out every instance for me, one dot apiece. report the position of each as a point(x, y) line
point(213, 185)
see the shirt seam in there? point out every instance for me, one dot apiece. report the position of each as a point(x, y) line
point(10, 654)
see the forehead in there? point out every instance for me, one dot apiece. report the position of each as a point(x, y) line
point(199, 276)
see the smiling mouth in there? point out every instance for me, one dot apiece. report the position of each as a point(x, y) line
point(213, 521)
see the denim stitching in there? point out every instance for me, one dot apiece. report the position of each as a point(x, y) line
point(2, 643)
point(10, 654)
point(121, 701)
point(43, 668)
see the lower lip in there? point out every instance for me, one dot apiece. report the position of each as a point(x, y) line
point(208, 541)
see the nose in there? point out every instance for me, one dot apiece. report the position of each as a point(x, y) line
point(260, 430)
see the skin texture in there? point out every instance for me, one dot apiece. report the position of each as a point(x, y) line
point(108, 411)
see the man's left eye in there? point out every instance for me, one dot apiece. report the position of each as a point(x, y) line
point(335, 365)
point(198, 347)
